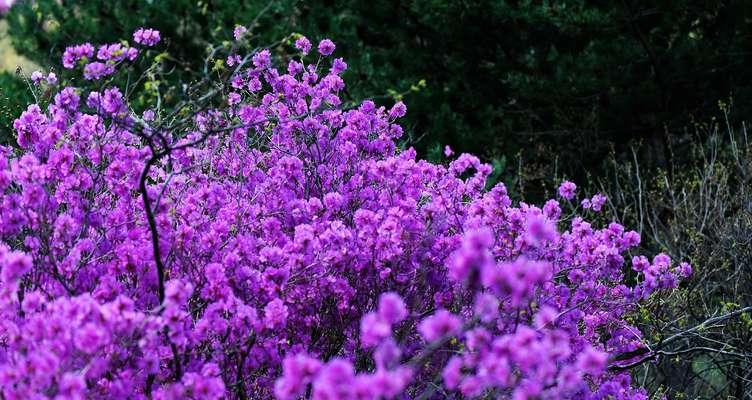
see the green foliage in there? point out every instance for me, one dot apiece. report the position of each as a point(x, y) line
point(14, 96)
point(531, 79)
point(492, 77)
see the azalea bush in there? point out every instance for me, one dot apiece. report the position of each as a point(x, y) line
point(257, 238)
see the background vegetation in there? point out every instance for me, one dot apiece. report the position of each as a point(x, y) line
point(497, 78)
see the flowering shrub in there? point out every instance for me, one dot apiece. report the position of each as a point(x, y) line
point(282, 246)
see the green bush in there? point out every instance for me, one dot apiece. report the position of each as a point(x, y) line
point(14, 96)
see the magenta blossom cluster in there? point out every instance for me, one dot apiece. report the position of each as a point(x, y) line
point(108, 56)
point(37, 78)
point(146, 36)
point(295, 251)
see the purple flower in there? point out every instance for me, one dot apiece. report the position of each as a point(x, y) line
point(5, 6)
point(233, 98)
point(326, 47)
point(539, 230)
point(51, 79)
point(567, 190)
point(98, 70)
point(592, 361)
point(36, 77)
point(262, 59)
point(398, 110)
point(303, 44)
point(72, 386)
point(373, 329)
point(387, 354)
point(391, 308)
point(486, 307)
point(233, 60)
point(90, 337)
point(146, 36)
point(13, 265)
point(546, 317)
point(292, 226)
point(598, 201)
point(148, 115)
point(67, 99)
point(338, 66)
point(684, 270)
point(452, 373)
point(73, 54)
point(275, 314)
point(297, 372)
point(335, 381)
point(472, 256)
point(438, 325)
point(239, 32)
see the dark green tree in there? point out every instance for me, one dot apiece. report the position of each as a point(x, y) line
point(549, 80)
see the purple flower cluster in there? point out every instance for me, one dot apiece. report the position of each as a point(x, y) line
point(326, 47)
point(37, 78)
point(321, 262)
point(109, 55)
point(567, 190)
point(303, 44)
point(595, 203)
point(239, 32)
point(146, 36)
point(73, 54)
point(116, 52)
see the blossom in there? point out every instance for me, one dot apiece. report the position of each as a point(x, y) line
point(398, 110)
point(73, 54)
point(684, 270)
point(262, 59)
point(567, 190)
point(146, 36)
point(51, 78)
point(452, 373)
point(391, 308)
point(234, 60)
point(338, 66)
point(90, 337)
point(303, 44)
point(326, 47)
point(598, 201)
point(36, 77)
point(233, 98)
point(98, 70)
point(148, 115)
point(298, 371)
point(373, 329)
point(592, 361)
point(13, 265)
point(239, 32)
point(275, 313)
point(438, 325)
